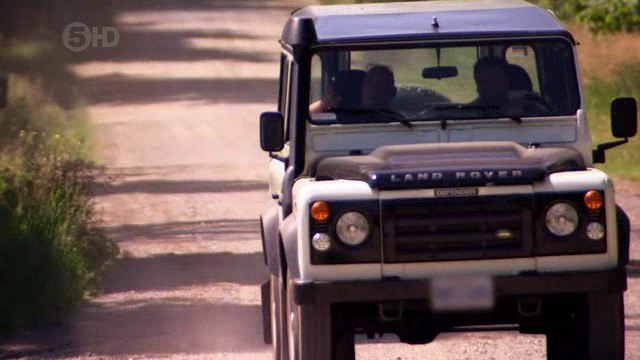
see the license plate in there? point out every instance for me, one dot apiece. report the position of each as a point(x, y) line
point(462, 293)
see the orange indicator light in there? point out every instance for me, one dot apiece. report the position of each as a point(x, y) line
point(593, 200)
point(320, 211)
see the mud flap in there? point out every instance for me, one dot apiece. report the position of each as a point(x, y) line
point(266, 312)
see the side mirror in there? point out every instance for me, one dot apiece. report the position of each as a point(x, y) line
point(271, 131)
point(624, 118)
point(624, 124)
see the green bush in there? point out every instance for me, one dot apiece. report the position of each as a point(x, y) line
point(611, 15)
point(51, 250)
point(602, 16)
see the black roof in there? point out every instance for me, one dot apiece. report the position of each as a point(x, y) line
point(414, 20)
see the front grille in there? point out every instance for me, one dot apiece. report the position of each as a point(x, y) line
point(437, 229)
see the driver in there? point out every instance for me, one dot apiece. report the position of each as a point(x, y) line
point(344, 92)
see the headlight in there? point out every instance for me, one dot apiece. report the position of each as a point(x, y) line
point(562, 219)
point(352, 228)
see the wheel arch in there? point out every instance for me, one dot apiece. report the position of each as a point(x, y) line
point(289, 238)
point(269, 230)
point(624, 236)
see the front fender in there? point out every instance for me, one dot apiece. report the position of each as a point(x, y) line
point(624, 236)
point(289, 236)
point(269, 227)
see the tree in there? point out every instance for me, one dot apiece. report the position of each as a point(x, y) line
point(602, 16)
point(612, 15)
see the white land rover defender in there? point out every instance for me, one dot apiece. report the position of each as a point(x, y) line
point(432, 171)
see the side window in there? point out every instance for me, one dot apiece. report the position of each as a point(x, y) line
point(324, 66)
point(524, 57)
point(285, 74)
point(283, 96)
point(315, 90)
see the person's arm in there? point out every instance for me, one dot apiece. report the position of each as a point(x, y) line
point(328, 101)
point(317, 107)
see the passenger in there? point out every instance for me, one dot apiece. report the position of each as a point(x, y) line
point(522, 98)
point(344, 92)
point(379, 88)
point(492, 82)
point(518, 78)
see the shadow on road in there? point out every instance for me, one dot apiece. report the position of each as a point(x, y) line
point(119, 89)
point(219, 229)
point(155, 324)
point(150, 41)
point(166, 45)
point(156, 328)
point(178, 187)
point(173, 271)
point(147, 328)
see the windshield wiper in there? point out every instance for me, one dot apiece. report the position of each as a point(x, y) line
point(485, 109)
point(499, 112)
point(387, 114)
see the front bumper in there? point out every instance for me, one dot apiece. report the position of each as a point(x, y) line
point(330, 308)
point(315, 293)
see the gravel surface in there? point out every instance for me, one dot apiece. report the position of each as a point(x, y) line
point(175, 109)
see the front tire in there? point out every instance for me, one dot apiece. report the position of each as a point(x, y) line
point(292, 323)
point(588, 328)
point(344, 347)
point(277, 309)
point(341, 344)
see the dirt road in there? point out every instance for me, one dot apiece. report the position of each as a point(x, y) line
point(175, 109)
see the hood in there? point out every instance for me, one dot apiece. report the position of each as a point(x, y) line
point(450, 165)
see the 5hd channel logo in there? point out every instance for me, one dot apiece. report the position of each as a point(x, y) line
point(78, 37)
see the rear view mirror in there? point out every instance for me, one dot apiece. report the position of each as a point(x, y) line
point(4, 90)
point(624, 117)
point(439, 72)
point(271, 131)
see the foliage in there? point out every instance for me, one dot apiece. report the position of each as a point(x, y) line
point(51, 250)
point(45, 65)
point(47, 18)
point(602, 16)
point(564, 9)
point(612, 15)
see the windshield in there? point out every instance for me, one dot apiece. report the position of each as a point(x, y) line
point(514, 79)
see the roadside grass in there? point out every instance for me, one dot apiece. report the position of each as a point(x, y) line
point(52, 251)
point(610, 68)
point(623, 161)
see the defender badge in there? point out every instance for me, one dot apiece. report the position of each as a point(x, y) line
point(457, 192)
